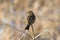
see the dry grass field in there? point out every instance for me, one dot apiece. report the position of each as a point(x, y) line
point(13, 19)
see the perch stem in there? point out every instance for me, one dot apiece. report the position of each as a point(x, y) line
point(33, 31)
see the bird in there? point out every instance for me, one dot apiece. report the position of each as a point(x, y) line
point(30, 19)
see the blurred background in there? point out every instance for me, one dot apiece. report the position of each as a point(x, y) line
point(13, 18)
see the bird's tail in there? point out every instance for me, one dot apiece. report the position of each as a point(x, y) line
point(27, 27)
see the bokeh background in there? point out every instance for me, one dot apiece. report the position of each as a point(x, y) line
point(13, 18)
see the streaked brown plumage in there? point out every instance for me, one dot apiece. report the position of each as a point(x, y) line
point(31, 19)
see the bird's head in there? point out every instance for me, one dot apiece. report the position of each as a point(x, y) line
point(30, 13)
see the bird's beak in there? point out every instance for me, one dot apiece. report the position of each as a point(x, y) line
point(27, 13)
